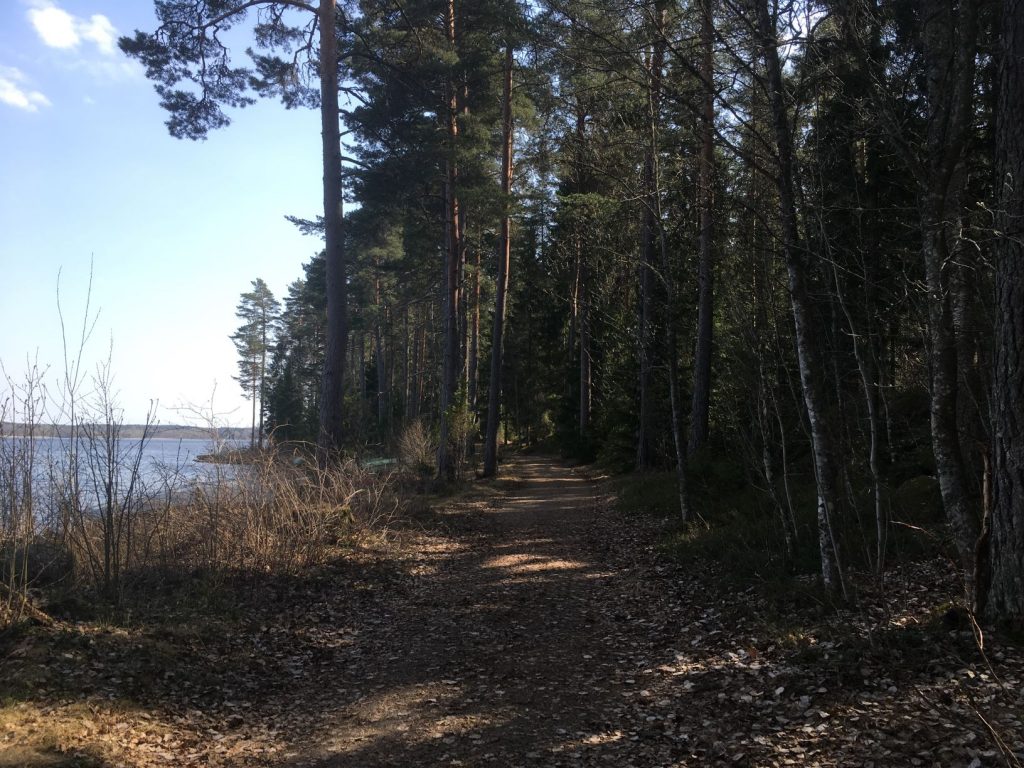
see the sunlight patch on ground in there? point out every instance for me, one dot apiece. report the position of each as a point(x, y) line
point(563, 499)
point(84, 729)
point(438, 546)
point(534, 579)
point(526, 543)
point(526, 564)
point(596, 739)
point(412, 714)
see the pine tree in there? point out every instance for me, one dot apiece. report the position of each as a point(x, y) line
point(258, 310)
point(1005, 597)
point(187, 48)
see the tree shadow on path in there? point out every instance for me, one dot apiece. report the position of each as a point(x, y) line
point(520, 639)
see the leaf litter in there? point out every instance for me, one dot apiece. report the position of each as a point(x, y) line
point(535, 626)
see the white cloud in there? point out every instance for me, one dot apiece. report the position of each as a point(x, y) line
point(59, 29)
point(14, 94)
point(56, 28)
point(100, 31)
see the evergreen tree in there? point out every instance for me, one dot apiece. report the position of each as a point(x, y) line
point(1005, 597)
point(187, 48)
point(258, 310)
point(293, 405)
point(660, 150)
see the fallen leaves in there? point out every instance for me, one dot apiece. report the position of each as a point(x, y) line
point(537, 626)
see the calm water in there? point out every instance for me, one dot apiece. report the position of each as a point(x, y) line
point(164, 462)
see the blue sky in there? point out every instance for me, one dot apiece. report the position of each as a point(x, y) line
point(174, 230)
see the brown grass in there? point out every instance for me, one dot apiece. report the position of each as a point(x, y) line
point(273, 515)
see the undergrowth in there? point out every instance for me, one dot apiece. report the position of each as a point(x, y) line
point(738, 524)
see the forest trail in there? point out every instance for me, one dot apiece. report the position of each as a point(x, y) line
point(523, 639)
point(543, 627)
point(527, 622)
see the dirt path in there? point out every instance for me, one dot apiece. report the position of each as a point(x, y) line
point(531, 625)
point(516, 641)
point(546, 630)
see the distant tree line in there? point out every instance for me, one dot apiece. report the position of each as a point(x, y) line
point(656, 231)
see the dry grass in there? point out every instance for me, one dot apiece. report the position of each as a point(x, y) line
point(271, 516)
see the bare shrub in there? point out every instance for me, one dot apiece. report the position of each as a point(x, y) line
point(78, 504)
point(416, 449)
point(275, 515)
point(20, 413)
point(268, 517)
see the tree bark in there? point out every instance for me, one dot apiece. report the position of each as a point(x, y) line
point(378, 343)
point(1005, 597)
point(943, 374)
point(581, 287)
point(584, 343)
point(504, 259)
point(252, 428)
point(264, 320)
point(948, 47)
point(949, 44)
point(807, 342)
point(332, 389)
point(451, 362)
point(406, 389)
point(474, 340)
point(649, 229)
point(701, 397)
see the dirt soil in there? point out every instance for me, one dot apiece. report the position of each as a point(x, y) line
point(530, 623)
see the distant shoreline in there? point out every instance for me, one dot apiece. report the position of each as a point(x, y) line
point(134, 431)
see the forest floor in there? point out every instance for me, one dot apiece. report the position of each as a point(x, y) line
point(528, 622)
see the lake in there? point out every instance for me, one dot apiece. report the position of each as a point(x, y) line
point(164, 462)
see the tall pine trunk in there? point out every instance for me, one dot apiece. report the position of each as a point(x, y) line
point(451, 363)
point(474, 340)
point(263, 373)
point(252, 428)
point(583, 320)
point(581, 293)
point(1005, 597)
point(701, 397)
point(378, 352)
point(649, 230)
point(943, 379)
point(949, 42)
point(504, 259)
point(332, 387)
point(948, 37)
